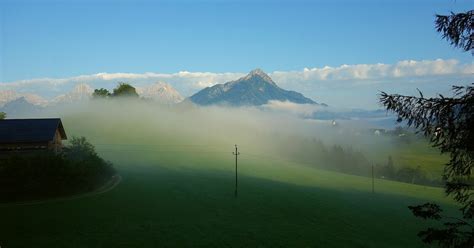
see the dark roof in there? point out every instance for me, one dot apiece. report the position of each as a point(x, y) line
point(30, 130)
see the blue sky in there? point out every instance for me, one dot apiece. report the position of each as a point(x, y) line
point(351, 49)
point(67, 38)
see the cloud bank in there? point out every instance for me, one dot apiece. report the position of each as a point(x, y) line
point(332, 85)
point(406, 68)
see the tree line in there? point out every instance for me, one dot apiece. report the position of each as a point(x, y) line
point(350, 161)
point(346, 159)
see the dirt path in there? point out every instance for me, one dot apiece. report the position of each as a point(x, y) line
point(111, 184)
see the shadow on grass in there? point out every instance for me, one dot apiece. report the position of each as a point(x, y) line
point(155, 206)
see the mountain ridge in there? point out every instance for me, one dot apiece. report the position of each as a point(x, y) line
point(254, 89)
point(161, 92)
point(80, 92)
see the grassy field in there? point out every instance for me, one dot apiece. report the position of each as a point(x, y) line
point(178, 193)
point(279, 204)
point(419, 153)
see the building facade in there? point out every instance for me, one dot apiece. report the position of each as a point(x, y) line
point(31, 134)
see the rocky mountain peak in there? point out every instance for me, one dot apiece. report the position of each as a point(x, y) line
point(258, 73)
point(161, 92)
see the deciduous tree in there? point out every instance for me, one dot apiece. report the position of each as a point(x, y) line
point(101, 93)
point(125, 90)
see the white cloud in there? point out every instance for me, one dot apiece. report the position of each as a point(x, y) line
point(406, 68)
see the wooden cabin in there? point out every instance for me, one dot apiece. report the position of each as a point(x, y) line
point(31, 134)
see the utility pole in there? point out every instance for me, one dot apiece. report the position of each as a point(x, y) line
point(373, 180)
point(236, 153)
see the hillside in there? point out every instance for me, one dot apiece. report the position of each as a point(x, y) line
point(178, 192)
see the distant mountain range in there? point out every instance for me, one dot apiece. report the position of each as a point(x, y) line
point(80, 92)
point(7, 96)
point(160, 92)
point(255, 89)
point(20, 107)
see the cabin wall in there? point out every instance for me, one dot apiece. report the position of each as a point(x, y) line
point(58, 139)
point(56, 145)
point(23, 146)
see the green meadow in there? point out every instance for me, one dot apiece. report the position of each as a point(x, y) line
point(419, 153)
point(177, 190)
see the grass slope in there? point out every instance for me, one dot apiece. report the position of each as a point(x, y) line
point(279, 205)
point(177, 194)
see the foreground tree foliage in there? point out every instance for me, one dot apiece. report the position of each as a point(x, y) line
point(449, 123)
point(3, 115)
point(457, 29)
point(43, 174)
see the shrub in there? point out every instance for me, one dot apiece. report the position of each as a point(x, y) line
point(44, 174)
